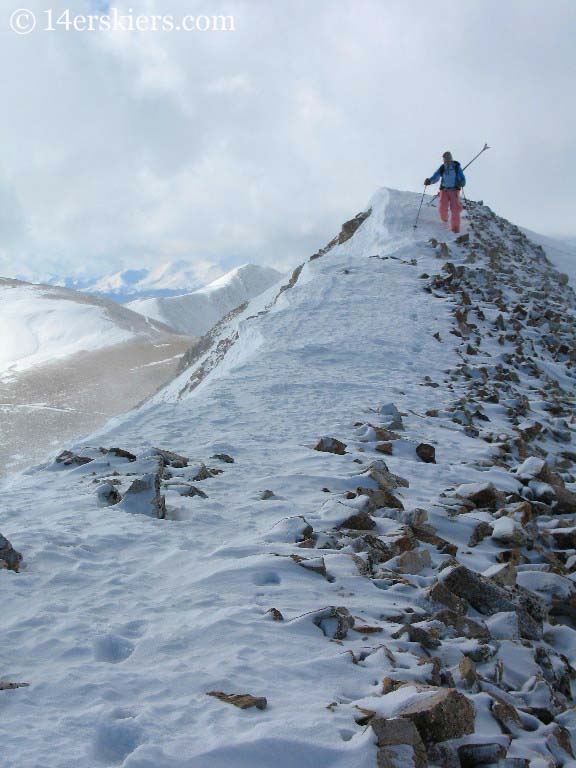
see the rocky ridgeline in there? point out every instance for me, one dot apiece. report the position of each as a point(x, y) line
point(474, 656)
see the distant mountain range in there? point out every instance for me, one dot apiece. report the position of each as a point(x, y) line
point(172, 278)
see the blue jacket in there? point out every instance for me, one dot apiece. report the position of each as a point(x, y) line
point(451, 177)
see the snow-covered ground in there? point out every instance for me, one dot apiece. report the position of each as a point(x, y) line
point(68, 362)
point(123, 623)
point(562, 253)
point(195, 313)
point(42, 323)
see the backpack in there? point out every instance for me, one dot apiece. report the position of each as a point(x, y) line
point(443, 168)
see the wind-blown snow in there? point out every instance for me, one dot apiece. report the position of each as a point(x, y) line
point(195, 313)
point(123, 623)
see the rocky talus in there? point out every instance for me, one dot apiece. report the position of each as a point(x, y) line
point(473, 662)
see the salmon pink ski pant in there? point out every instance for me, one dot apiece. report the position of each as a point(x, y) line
point(450, 198)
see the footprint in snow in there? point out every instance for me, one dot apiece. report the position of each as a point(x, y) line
point(266, 578)
point(112, 649)
point(117, 735)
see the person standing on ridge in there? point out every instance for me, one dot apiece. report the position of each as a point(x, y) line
point(453, 180)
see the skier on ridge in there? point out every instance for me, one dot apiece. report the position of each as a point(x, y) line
point(453, 180)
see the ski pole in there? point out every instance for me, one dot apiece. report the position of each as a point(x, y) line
point(484, 148)
point(419, 208)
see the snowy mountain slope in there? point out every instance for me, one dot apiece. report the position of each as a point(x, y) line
point(68, 362)
point(562, 253)
point(335, 585)
point(195, 313)
point(41, 323)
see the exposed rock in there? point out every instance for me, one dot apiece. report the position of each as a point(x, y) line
point(488, 598)
point(559, 744)
point(467, 670)
point(386, 448)
point(538, 469)
point(267, 494)
point(291, 529)
point(170, 458)
point(483, 495)
point(413, 561)
point(503, 574)
point(556, 670)
point(334, 622)
point(108, 495)
point(350, 227)
point(364, 629)
point(359, 522)
point(275, 614)
point(443, 755)
point(426, 533)
point(386, 480)
point(463, 626)
point(240, 700)
point(315, 564)
point(330, 445)
point(444, 714)
point(385, 435)
point(10, 559)
point(203, 474)
point(378, 550)
point(507, 717)
point(144, 497)
point(427, 638)
point(6, 686)
point(380, 499)
point(480, 532)
point(394, 732)
point(69, 459)
point(563, 538)
point(223, 457)
point(472, 755)
point(121, 453)
point(439, 593)
point(508, 533)
point(191, 490)
point(427, 453)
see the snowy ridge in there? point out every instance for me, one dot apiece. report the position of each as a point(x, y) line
point(402, 595)
point(195, 313)
point(41, 323)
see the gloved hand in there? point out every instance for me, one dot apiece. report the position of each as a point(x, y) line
point(427, 182)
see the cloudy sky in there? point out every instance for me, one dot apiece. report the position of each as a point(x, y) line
point(125, 149)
